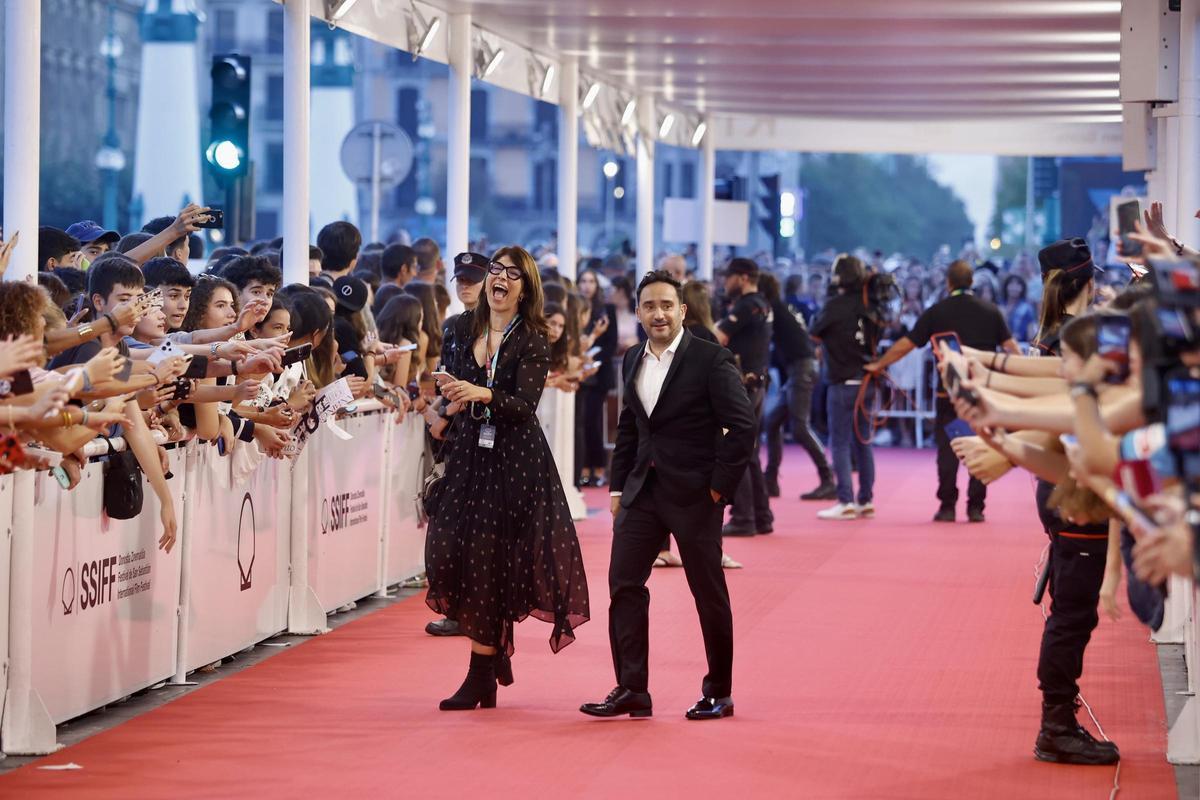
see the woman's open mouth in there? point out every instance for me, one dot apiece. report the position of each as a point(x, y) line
point(499, 291)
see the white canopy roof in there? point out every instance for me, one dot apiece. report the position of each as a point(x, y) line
point(1009, 76)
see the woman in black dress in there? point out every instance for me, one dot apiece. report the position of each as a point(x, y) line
point(501, 545)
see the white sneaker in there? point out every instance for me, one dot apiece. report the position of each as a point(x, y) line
point(840, 511)
point(866, 510)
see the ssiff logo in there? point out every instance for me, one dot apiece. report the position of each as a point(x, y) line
point(335, 512)
point(96, 579)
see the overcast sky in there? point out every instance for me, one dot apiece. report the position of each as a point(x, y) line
point(973, 178)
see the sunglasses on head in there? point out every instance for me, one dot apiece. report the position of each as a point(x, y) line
point(512, 273)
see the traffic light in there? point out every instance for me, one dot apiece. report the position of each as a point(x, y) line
point(228, 150)
point(768, 208)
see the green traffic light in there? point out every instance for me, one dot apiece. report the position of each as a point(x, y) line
point(224, 155)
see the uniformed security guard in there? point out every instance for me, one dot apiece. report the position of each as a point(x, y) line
point(746, 331)
point(978, 324)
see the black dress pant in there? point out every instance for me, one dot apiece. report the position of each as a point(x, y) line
point(751, 505)
point(637, 536)
point(1076, 572)
point(947, 463)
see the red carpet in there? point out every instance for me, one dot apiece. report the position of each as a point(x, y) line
point(885, 659)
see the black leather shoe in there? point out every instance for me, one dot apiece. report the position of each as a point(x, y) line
point(732, 529)
point(711, 708)
point(621, 701)
point(944, 514)
point(826, 491)
point(765, 527)
point(443, 627)
point(772, 482)
point(975, 515)
point(584, 482)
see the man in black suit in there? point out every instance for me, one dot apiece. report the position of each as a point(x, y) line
point(683, 441)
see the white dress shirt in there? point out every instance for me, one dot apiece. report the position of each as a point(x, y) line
point(653, 372)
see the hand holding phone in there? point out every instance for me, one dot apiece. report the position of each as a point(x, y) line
point(1128, 216)
point(295, 354)
point(442, 377)
point(1112, 344)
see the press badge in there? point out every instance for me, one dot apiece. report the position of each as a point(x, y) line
point(487, 436)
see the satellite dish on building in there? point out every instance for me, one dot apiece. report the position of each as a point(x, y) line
point(379, 155)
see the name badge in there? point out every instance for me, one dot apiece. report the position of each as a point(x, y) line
point(487, 436)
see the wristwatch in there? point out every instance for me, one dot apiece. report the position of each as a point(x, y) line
point(1080, 389)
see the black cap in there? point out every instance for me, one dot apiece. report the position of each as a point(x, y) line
point(1070, 255)
point(470, 267)
point(351, 293)
point(742, 266)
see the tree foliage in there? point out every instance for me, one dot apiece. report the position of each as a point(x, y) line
point(890, 203)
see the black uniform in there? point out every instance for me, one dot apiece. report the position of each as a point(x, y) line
point(748, 326)
point(979, 324)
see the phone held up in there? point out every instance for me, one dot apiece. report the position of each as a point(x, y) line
point(1112, 340)
point(215, 221)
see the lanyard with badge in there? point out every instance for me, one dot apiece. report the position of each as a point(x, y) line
point(487, 431)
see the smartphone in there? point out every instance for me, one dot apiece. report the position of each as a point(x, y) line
point(384, 393)
point(220, 445)
point(955, 388)
point(958, 428)
point(197, 368)
point(125, 371)
point(216, 219)
point(296, 354)
point(442, 377)
point(406, 348)
point(1128, 214)
point(951, 340)
point(60, 475)
point(1183, 414)
point(594, 365)
point(21, 383)
point(1112, 343)
point(592, 352)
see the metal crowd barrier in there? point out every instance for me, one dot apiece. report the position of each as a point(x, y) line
point(94, 611)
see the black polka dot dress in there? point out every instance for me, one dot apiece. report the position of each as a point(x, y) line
point(502, 544)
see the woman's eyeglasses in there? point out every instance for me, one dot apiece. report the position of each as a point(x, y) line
point(512, 273)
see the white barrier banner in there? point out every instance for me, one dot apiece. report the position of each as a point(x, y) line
point(345, 481)
point(106, 598)
point(6, 511)
point(406, 538)
point(238, 551)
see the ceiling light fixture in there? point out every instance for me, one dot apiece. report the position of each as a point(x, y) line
point(590, 97)
point(698, 134)
point(421, 32)
point(667, 123)
point(627, 114)
point(336, 9)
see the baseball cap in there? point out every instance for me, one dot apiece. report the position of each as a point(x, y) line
point(89, 231)
point(1070, 255)
point(470, 267)
point(350, 292)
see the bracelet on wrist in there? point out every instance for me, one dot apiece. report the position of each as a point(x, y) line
point(86, 331)
point(112, 321)
point(1081, 389)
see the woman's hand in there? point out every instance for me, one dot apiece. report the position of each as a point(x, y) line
point(981, 460)
point(358, 386)
point(1108, 593)
point(466, 392)
point(278, 416)
point(21, 352)
point(232, 351)
point(246, 391)
point(253, 313)
point(271, 440)
point(49, 403)
point(262, 362)
point(600, 327)
point(166, 515)
point(104, 365)
point(169, 369)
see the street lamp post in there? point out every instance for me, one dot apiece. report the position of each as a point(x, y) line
point(109, 158)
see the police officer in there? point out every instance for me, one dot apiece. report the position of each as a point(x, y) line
point(746, 331)
point(978, 324)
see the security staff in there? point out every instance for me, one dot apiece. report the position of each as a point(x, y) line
point(978, 324)
point(746, 331)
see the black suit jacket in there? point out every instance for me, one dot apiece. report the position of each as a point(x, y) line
point(701, 432)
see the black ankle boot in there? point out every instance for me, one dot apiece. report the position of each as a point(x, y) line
point(503, 667)
point(479, 689)
point(1063, 740)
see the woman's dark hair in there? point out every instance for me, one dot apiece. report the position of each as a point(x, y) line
point(531, 303)
point(400, 319)
point(768, 286)
point(1008, 281)
point(554, 294)
point(310, 316)
point(597, 299)
point(424, 292)
point(278, 303)
point(166, 271)
point(622, 283)
point(559, 351)
point(1079, 333)
point(1061, 290)
point(202, 296)
point(848, 273)
point(793, 284)
point(696, 296)
point(60, 295)
point(339, 243)
point(385, 293)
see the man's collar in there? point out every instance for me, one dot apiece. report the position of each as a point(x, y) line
point(671, 348)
